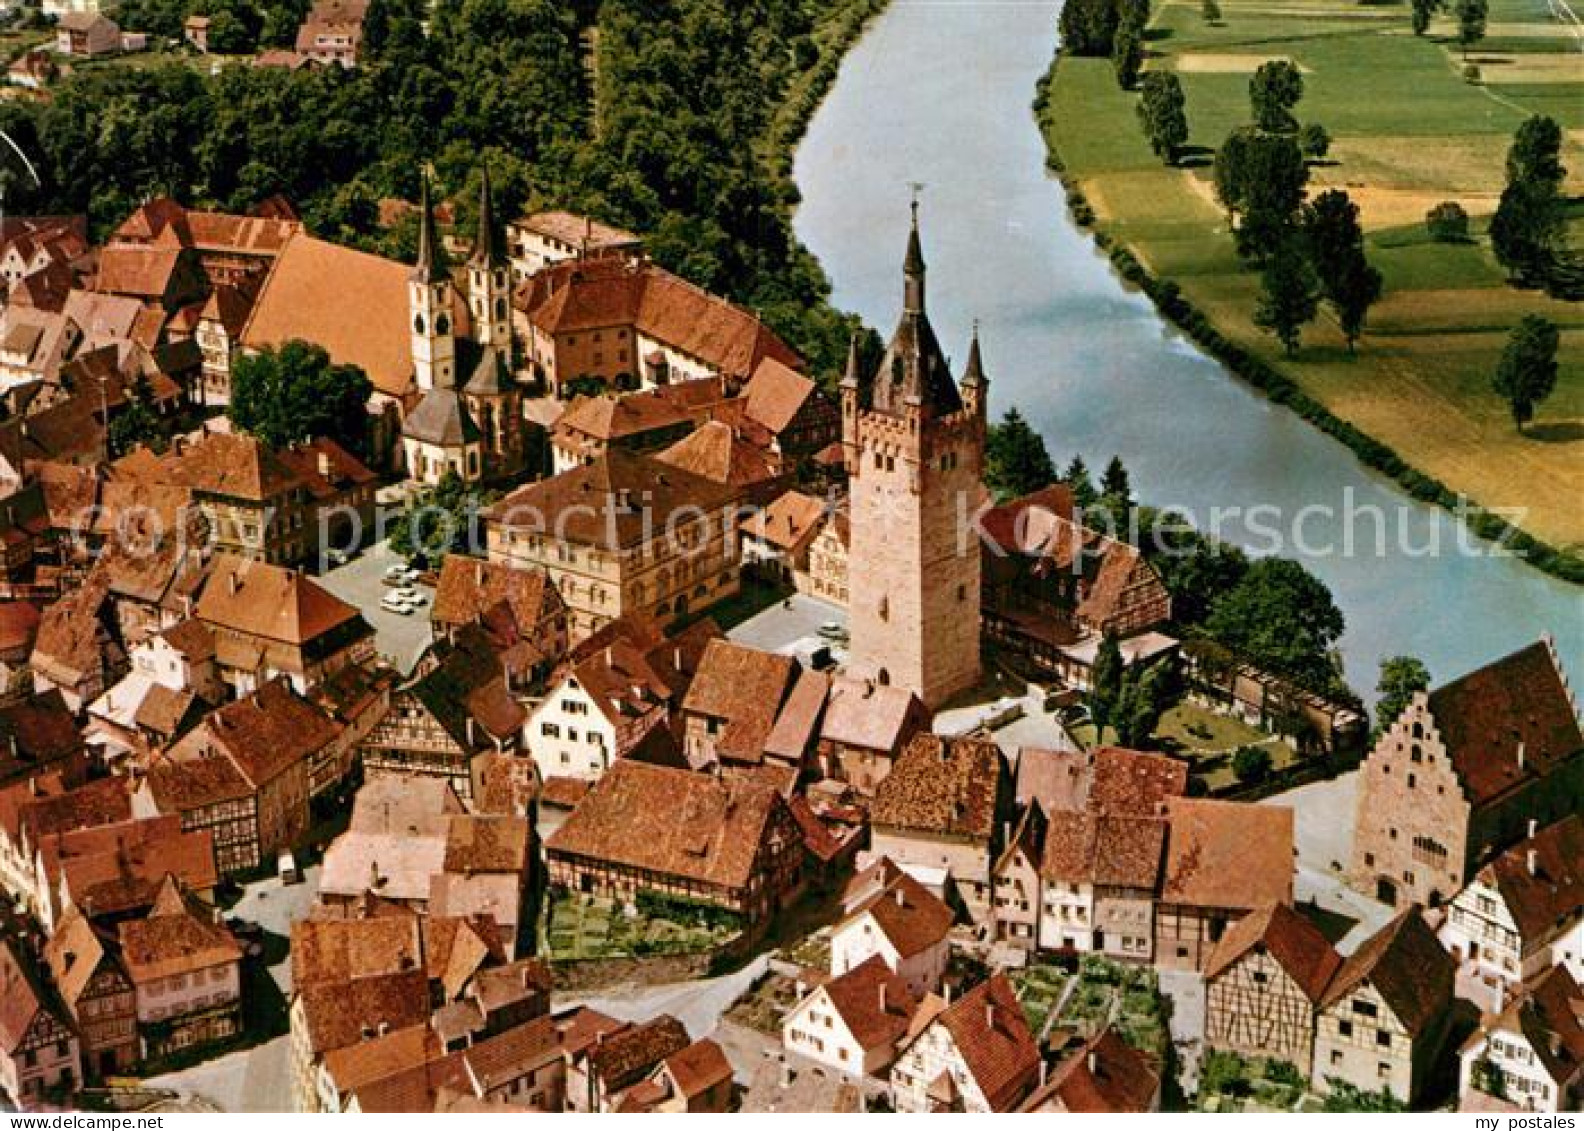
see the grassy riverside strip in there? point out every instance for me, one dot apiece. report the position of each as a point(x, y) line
point(1165, 234)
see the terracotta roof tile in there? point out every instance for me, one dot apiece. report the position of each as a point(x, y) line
point(946, 786)
point(603, 504)
point(1517, 703)
point(1544, 899)
point(873, 1002)
point(178, 936)
point(1228, 855)
point(989, 1030)
point(672, 822)
point(907, 914)
point(258, 599)
point(744, 688)
point(1296, 945)
point(351, 303)
point(1102, 1076)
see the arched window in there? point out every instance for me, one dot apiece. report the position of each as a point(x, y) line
point(443, 324)
point(500, 309)
point(418, 324)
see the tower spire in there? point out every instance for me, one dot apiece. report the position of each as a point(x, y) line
point(850, 378)
point(913, 265)
point(973, 374)
point(431, 253)
point(486, 245)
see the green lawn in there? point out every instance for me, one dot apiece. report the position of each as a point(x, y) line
point(1408, 132)
point(583, 927)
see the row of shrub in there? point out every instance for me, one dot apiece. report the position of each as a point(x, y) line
point(1283, 390)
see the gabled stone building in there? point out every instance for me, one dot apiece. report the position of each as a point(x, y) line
point(1461, 773)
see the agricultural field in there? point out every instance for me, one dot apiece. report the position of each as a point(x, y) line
point(1408, 132)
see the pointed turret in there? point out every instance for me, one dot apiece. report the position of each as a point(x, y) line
point(973, 376)
point(850, 378)
point(913, 269)
point(487, 250)
point(431, 263)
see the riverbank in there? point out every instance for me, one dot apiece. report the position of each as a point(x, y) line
point(1414, 403)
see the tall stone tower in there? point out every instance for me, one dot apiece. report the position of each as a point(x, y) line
point(429, 298)
point(489, 288)
point(915, 442)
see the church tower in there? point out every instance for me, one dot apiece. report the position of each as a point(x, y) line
point(429, 298)
point(489, 287)
point(915, 442)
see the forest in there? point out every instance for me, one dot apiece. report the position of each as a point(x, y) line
point(686, 146)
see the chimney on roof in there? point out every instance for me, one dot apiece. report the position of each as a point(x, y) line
point(1094, 1063)
point(900, 898)
point(989, 1014)
point(882, 995)
point(1520, 755)
point(324, 463)
point(233, 583)
point(1532, 824)
point(1529, 860)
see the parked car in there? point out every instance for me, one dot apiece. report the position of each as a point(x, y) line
point(398, 605)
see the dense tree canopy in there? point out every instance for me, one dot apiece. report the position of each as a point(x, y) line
point(1530, 225)
point(687, 88)
point(1273, 92)
point(1281, 617)
point(1400, 677)
point(297, 393)
point(1017, 462)
point(1162, 110)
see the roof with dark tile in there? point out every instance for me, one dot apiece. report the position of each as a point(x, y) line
point(622, 1059)
point(992, 1036)
point(1543, 897)
point(744, 688)
point(1509, 722)
point(1101, 1076)
point(1406, 965)
point(873, 1002)
point(909, 916)
point(673, 822)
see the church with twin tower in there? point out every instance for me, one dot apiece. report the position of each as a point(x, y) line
point(914, 440)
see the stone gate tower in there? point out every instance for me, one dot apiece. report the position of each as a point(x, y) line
point(915, 443)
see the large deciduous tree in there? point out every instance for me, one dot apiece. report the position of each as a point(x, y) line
point(1529, 223)
point(295, 392)
point(1281, 617)
point(1273, 92)
point(1335, 244)
point(1162, 111)
point(1527, 372)
point(1400, 678)
point(1289, 297)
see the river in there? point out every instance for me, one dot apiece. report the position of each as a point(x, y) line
point(939, 93)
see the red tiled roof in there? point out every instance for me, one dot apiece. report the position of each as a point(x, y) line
point(1101, 1076)
point(907, 914)
point(947, 786)
point(1519, 703)
point(1291, 940)
point(258, 599)
point(873, 1002)
point(671, 822)
point(1227, 855)
point(743, 687)
point(1540, 900)
point(992, 1036)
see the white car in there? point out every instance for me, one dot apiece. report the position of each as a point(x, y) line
point(392, 603)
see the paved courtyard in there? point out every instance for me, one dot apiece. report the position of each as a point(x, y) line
point(399, 639)
point(789, 625)
point(1323, 829)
